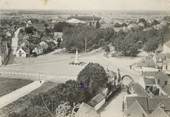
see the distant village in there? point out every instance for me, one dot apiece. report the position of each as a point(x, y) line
point(35, 37)
point(95, 85)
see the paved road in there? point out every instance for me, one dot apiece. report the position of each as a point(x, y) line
point(15, 95)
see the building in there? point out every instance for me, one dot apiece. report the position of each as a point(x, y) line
point(157, 83)
point(166, 47)
point(89, 20)
point(37, 50)
point(75, 21)
point(137, 89)
point(135, 110)
point(98, 101)
point(136, 106)
point(86, 111)
point(21, 53)
point(158, 112)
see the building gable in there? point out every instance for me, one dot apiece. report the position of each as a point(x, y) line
point(136, 110)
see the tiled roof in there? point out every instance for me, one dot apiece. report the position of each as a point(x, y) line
point(86, 111)
point(158, 112)
point(141, 100)
point(149, 81)
point(166, 89)
point(149, 73)
point(154, 102)
point(149, 104)
point(135, 110)
point(97, 99)
point(162, 77)
point(85, 18)
point(139, 90)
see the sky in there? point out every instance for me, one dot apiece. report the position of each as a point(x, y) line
point(86, 4)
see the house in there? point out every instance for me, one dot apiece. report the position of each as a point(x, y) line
point(86, 110)
point(166, 47)
point(58, 38)
point(21, 53)
point(137, 89)
point(136, 106)
point(89, 20)
point(37, 50)
point(158, 112)
point(159, 60)
point(98, 101)
point(75, 21)
point(157, 83)
point(133, 26)
point(136, 110)
point(58, 35)
point(43, 45)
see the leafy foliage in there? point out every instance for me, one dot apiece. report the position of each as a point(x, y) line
point(94, 77)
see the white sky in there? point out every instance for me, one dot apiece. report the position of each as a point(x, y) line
point(87, 4)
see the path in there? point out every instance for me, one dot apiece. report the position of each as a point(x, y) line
point(15, 95)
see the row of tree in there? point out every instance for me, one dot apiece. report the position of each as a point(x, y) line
point(128, 43)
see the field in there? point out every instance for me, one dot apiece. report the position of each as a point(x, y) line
point(9, 85)
point(24, 102)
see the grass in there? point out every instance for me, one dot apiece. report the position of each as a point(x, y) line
point(25, 101)
point(8, 85)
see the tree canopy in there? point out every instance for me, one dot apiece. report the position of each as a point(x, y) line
point(93, 77)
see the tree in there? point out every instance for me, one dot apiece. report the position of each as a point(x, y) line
point(59, 27)
point(127, 44)
point(152, 44)
point(98, 25)
point(30, 30)
point(142, 20)
point(74, 38)
point(94, 77)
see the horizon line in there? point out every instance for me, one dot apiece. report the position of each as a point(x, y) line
point(85, 10)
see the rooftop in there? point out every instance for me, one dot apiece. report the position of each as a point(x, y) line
point(85, 18)
point(97, 99)
point(139, 90)
point(86, 111)
point(149, 104)
point(158, 112)
point(149, 81)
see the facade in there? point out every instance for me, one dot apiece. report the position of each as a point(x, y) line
point(86, 111)
point(137, 89)
point(166, 48)
point(135, 110)
point(21, 53)
point(157, 84)
point(98, 101)
point(136, 106)
point(89, 20)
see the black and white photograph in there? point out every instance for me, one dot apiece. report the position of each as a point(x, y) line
point(84, 58)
